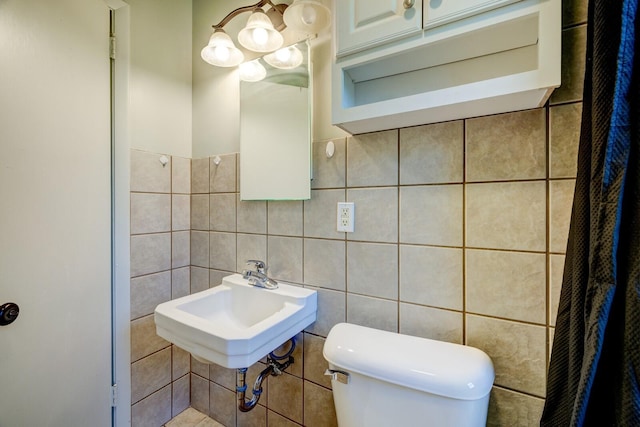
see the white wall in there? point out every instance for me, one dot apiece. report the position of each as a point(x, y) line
point(160, 80)
point(216, 95)
point(216, 92)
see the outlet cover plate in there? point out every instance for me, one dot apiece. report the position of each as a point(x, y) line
point(346, 217)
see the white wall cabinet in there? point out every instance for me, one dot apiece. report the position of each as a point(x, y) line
point(469, 58)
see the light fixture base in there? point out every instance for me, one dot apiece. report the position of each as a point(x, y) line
point(275, 13)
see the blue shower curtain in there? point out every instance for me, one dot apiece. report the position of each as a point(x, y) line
point(594, 372)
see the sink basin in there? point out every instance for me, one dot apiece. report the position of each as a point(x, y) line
point(235, 324)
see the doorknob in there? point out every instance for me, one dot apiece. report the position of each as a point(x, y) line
point(8, 313)
point(408, 4)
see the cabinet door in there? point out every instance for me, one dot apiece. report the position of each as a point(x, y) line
point(361, 24)
point(439, 12)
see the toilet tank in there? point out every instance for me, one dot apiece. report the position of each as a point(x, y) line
point(387, 379)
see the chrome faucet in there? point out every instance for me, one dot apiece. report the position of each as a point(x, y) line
point(258, 277)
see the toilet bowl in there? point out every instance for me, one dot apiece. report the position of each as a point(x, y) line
point(383, 379)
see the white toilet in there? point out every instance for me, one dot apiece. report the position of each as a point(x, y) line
point(386, 379)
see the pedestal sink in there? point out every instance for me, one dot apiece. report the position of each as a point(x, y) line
point(235, 324)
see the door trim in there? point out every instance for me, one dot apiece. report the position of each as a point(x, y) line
point(120, 161)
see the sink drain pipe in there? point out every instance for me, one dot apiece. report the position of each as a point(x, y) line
point(274, 367)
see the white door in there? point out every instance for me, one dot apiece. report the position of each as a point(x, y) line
point(361, 24)
point(55, 256)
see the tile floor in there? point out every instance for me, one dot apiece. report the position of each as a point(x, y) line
point(192, 418)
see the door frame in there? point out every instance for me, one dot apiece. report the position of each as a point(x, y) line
point(120, 185)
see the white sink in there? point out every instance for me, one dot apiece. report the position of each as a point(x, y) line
point(236, 324)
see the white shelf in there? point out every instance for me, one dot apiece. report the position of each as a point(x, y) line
point(505, 59)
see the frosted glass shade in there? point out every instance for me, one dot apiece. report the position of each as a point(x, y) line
point(221, 51)
point(252, 71)
point(259, 35)
point(309, 16)
point(285, 58)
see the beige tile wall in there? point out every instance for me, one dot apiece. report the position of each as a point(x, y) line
point(160, 263)
point(467, 249)
point(460, 236)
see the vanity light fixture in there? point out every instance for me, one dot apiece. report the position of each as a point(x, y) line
point(262, 32)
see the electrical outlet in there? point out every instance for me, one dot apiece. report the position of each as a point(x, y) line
point(346, 215)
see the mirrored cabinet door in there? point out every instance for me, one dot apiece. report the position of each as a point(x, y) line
point(275, 133)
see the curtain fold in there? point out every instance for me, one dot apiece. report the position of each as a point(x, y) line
point(594, 372)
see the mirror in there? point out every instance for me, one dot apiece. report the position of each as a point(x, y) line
point(275, 133)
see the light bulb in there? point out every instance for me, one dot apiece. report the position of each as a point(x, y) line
point(309, 15)
point(283, 55)
point(260, 36)
point(222, 53)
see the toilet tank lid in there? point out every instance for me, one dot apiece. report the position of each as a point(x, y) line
point(441, 368)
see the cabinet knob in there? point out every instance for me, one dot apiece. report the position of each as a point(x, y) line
point(408, 4)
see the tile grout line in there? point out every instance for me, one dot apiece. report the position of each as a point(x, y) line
point(397, 243)
point(464, 232)
point(347, 144)
point(547, 281)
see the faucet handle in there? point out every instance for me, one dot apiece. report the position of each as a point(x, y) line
point(260, 266)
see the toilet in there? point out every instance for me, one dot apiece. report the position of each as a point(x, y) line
point(386, 379)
